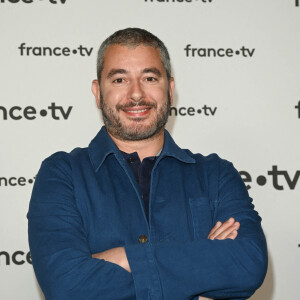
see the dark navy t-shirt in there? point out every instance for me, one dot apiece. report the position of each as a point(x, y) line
point(142, 173)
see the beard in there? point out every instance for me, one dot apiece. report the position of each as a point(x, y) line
point(138, 131)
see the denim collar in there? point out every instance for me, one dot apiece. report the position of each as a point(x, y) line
point(102, 146)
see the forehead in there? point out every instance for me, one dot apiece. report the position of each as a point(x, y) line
point(132, 58)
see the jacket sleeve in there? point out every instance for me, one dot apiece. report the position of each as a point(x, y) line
point(218, 269)
point(60, 253)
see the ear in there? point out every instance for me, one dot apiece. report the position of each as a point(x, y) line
point(171, 88)
point(96, 91)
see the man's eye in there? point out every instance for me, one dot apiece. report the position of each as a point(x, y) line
point(118, 80)
point(151, 79)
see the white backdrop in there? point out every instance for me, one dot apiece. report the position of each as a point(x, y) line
point(249, 106)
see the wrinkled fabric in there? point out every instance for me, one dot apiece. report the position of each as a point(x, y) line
point(88, 201)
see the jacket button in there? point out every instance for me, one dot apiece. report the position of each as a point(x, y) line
point(143, 239)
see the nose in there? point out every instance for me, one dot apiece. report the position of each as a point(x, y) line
point(136, 92)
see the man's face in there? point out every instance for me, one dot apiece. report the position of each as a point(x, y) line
point(135, 94)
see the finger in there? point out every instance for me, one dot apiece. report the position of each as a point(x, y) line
point(232, 235)
point(222, 228)
point(224, 231)
point(224, 234)
point(218, 224)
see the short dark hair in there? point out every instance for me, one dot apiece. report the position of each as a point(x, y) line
point(134, 37)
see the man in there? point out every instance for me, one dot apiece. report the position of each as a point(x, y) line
point(132, 216)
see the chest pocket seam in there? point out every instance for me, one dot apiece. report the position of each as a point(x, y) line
point(202, 216)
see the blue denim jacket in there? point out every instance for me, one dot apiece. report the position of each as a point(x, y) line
point(88, 201)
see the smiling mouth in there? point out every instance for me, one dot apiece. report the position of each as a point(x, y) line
point(137, 111)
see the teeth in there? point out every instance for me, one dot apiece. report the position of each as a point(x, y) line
point(137, 111)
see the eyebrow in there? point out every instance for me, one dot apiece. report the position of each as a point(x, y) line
point(152, 70)
point(113, 72)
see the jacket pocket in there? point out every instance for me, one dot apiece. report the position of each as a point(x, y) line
point(201, 216)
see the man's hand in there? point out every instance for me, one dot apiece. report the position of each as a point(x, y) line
point(227, 230)
point(115, 255)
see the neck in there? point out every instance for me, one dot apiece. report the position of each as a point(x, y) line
point(144, 148)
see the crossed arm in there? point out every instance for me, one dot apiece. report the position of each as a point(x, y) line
point(221, 231)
